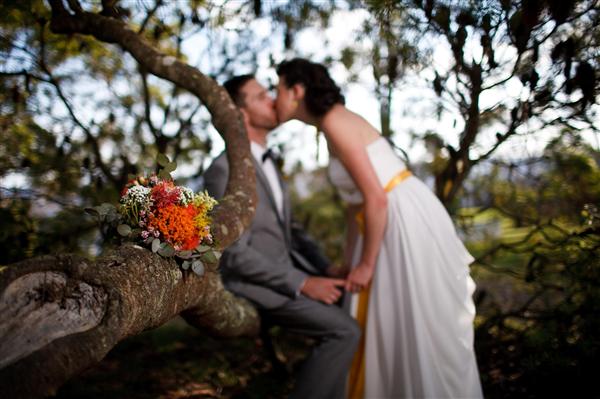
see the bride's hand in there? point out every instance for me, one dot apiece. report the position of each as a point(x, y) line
point(359, 277)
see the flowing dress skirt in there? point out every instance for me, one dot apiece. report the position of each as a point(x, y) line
point(419, 330)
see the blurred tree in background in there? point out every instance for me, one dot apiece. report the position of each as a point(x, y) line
point(499, 70)
point(537, 241)
point(77, 116)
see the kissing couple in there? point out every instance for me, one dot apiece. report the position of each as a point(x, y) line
point(410, 329)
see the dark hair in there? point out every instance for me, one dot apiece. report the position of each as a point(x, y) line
point(321, 91)
point(234, 86)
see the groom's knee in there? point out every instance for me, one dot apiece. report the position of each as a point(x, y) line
point(349, 331)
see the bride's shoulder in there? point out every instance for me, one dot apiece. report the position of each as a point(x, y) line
point(347, 129)
point(342, 119)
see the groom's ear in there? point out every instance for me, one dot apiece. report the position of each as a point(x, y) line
point(245, 115)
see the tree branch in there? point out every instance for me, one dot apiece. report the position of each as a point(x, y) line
point(62, 314)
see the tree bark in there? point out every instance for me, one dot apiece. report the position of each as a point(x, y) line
point(61, 314)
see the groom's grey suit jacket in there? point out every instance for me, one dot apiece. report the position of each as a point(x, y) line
point(265, 264)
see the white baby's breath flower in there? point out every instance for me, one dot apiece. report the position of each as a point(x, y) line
point(186, 195)
point(138, 196)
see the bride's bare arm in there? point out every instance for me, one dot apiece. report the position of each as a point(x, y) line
point(350, 148)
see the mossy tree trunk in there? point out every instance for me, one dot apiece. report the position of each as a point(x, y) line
point(61, 314)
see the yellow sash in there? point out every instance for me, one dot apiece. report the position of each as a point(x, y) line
point(394, 181)
point(357, 371)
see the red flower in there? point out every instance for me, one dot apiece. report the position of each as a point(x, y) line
point(164, 194)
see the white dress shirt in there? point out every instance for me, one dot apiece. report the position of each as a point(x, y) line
point(270, 172)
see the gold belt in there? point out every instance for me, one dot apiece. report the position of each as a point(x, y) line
point(394, 181)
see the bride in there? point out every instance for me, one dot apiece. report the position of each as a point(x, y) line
point(408, 264)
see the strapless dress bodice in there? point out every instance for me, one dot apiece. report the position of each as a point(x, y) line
point(386, 164)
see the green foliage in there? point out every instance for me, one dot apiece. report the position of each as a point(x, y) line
point(322, 215)
point(18, 231)
point(166, 167)
point(495, 81)
point(538, 273)
point(546, 339)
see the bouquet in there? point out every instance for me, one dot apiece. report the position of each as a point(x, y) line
point(171, 220)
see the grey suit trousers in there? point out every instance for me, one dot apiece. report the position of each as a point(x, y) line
point(263, 266)
point(323, 373)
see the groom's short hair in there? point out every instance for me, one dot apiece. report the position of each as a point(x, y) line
point(234, 87)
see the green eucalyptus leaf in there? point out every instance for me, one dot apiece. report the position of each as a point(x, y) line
point(170, 167)
point(105, 208)
point(202, 248)
point(166, 251)
point(163, 174)
point(186, 265)
point(162, 160)
point(198, 267)
point(155, 245)
point(111, 217)
point(184, 254)
point(124, 230)
point(209, 257)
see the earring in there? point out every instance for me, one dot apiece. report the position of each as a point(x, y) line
point(294, 104)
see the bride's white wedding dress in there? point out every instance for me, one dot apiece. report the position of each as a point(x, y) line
point(419, 322)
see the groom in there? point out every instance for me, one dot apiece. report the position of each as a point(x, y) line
point(266, 264)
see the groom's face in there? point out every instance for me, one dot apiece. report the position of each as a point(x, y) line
point(258, 106)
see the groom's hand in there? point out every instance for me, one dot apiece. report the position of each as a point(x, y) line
point(323, 289)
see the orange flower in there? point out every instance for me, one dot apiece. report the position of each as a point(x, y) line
point(177, 225)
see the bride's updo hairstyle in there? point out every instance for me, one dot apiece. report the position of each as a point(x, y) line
point(321, 91)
